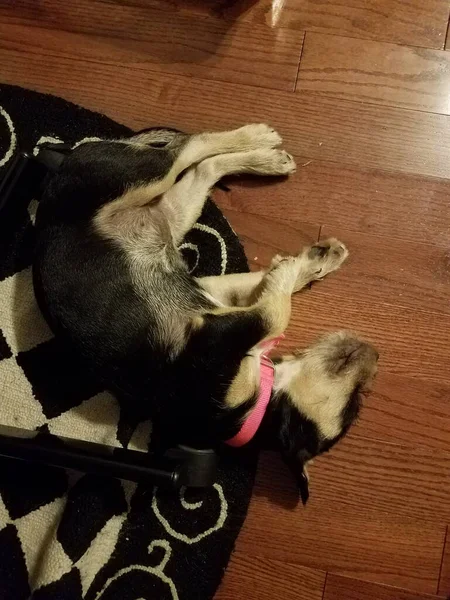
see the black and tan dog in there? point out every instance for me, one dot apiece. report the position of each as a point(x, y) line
point(188, 352)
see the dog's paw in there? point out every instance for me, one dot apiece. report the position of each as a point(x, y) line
point(282, 163)
point(269, 161)
point(259, 135)
point(276, 260)
point(325, 257)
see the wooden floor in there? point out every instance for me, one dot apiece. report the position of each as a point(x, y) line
point(360, 91)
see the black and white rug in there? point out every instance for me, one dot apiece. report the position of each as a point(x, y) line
point(65, 535)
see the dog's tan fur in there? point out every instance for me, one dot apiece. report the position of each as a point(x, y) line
point(247, 149)
point(316, 383)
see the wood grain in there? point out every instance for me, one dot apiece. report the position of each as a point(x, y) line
point(444, 579)
point(375, 477)
point(93, 31)
point(376, 72)
point(377, 546)
point(389, 204)
point(264, 237)
point(409, 274)
point(344, 588)
point(413, 344)
point(265, 579)
point(359, 134)
point(407, 410)
point(416, 23)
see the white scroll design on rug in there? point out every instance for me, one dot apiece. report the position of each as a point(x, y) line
point(13, 138)
point(223, 513)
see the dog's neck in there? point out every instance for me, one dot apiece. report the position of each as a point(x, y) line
point(267, 436)
point(279, 399)
point(273, 390)
point(254, 419)
point(285, 372)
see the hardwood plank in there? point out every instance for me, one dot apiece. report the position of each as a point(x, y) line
point(389, 204)
point(344, 588)
point(407, 410)
point(364, 135)
point(401, 480)
point(375, 546)
point(444, 579)
point(136, 37)
point(412, 344)
point(412, 274)
point(264, 237)
point(377, 72)
point(416, 23)
point(259, 578)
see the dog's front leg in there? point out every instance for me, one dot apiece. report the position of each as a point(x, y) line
point(244, 289)
point(247, 328)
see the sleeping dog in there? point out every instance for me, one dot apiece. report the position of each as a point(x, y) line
point(189, 353)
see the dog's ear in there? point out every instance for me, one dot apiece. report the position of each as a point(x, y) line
point(299, 444)
point(297, 465)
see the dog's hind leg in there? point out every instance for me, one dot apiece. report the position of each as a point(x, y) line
point(183, 203)
point(246, 138)
point(201, 146)
point(192, 149)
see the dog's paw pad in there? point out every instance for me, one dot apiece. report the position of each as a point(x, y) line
point(285, 162)
point(326, 256)
point(331, 247)
point(269, 161)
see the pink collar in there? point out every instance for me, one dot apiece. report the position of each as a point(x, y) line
point(253, 421)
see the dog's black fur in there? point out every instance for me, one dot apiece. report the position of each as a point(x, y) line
point(84, 289)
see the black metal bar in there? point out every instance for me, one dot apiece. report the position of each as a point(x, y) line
point(175, 468)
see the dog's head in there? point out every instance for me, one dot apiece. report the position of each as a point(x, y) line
point(318, 395)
